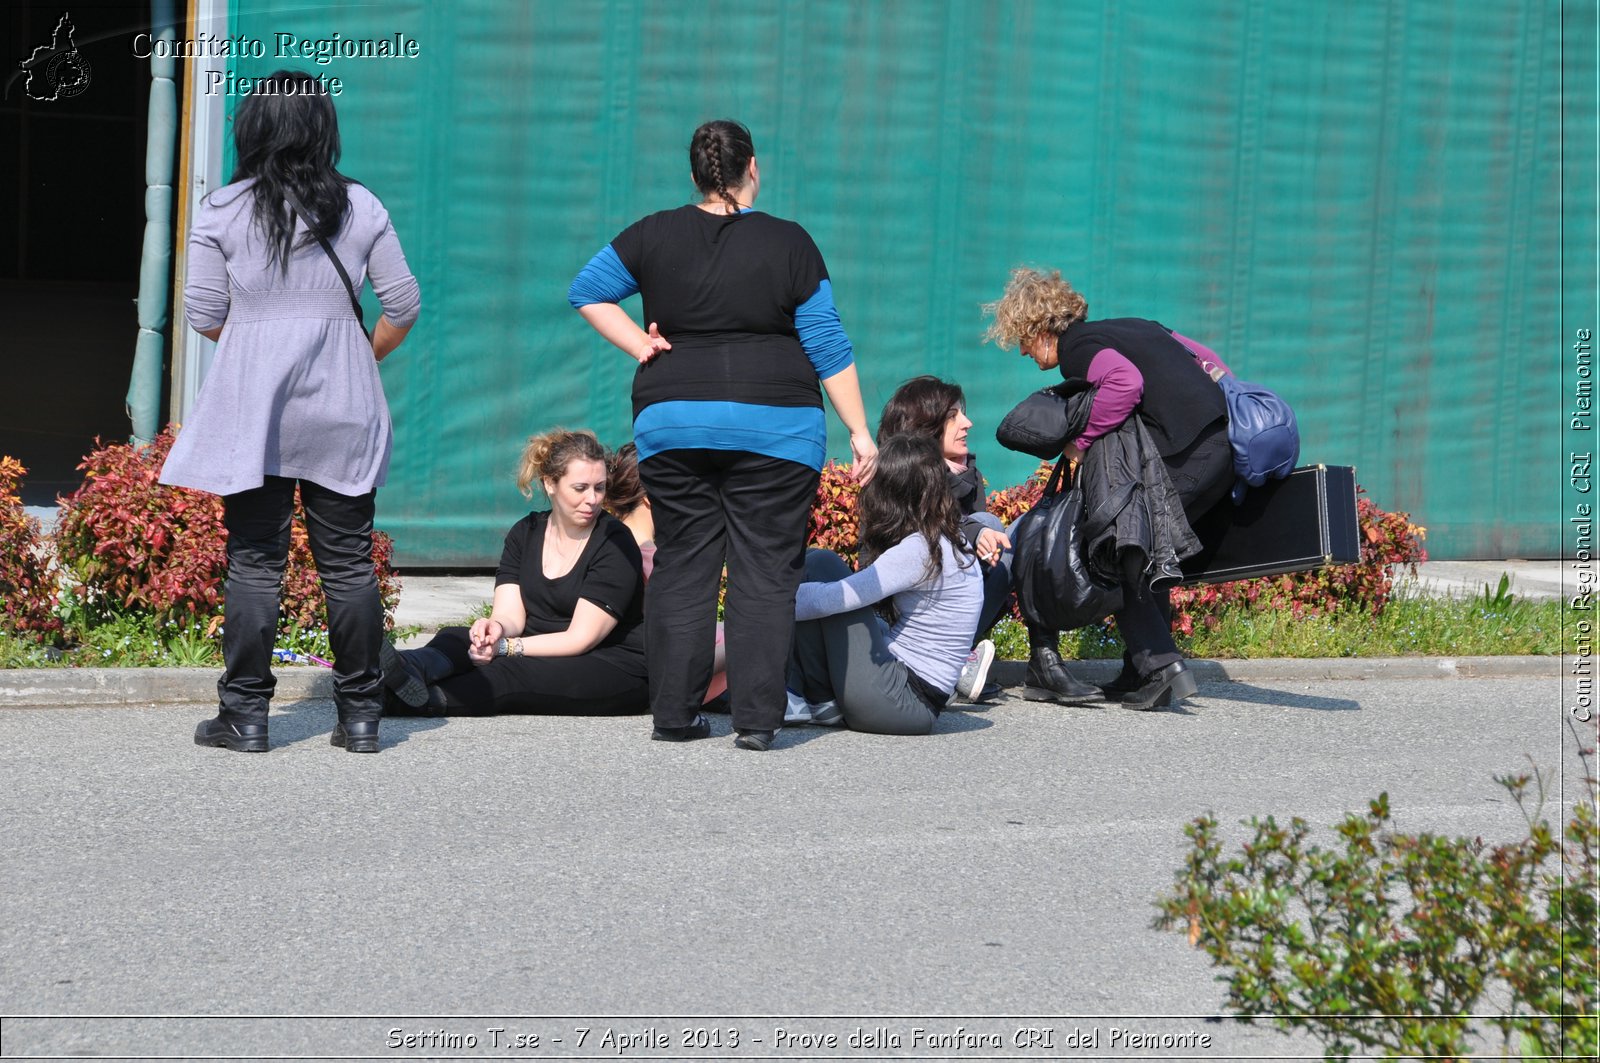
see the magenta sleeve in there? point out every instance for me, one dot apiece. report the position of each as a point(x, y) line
point(1121, 387)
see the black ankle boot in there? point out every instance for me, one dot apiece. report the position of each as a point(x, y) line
point(1047, 679)
point(356, 736)
point(408, 673)
point(1126, 682)
point(229, 734)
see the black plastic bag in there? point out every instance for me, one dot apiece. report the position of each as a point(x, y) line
point(1047, 420)
point(1049, 572)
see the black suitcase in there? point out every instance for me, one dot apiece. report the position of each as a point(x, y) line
point(1302, 522)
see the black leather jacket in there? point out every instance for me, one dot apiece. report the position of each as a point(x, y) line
point(1129, 503)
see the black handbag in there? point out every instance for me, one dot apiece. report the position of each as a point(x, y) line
point(1050, 571)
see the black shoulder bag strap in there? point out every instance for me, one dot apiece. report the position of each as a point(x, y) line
point(350, 289)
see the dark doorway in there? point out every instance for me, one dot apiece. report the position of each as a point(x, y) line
point(72, 220)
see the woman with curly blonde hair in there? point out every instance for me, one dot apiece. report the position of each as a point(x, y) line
point(565, 633)
point(1140, 369)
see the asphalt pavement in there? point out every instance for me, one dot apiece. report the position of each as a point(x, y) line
point(485, 883)
point(543, 874)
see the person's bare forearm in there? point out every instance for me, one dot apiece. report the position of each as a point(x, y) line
point(623, 333)
point(386, 336)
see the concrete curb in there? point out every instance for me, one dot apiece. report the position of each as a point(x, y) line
point(61, 688)
point(71, 688)
point(1289, 669)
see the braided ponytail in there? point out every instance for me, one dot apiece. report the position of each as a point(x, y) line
point(718, 149)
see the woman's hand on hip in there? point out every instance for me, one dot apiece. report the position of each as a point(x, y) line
point(654, 344)
point(864, 456)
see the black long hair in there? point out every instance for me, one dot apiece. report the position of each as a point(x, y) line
point(287, 138)
point(719, 154)
point(921, 407)
point(909, 493)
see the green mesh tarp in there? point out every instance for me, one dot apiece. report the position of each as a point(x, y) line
point(1359, 204)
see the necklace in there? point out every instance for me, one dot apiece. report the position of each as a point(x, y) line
point(563, 558)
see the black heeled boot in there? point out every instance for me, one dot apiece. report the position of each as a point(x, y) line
point(1047, 678)
point(1126, 681)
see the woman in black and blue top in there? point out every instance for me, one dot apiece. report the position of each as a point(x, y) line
point(729, 425)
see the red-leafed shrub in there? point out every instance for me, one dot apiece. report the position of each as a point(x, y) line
point(1388, 540)
point(1012, 502)
point(27, 579)
point(129, 543)
point(835, 524)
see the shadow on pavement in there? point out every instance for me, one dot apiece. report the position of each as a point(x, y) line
point(1253, 695)
point(309, 719)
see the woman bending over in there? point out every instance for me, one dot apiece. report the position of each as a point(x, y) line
point(889, 678)
point(565, 634)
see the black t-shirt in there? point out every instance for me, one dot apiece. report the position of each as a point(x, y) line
point(608, 572)
point(723, 289)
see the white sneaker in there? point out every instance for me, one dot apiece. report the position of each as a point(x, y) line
point(797, 710)
point(975, 673)
point(826, 714)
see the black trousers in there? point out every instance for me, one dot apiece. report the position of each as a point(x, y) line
point(1202, 473)
point(746, 510)
point(340, 530)
point(590, 684)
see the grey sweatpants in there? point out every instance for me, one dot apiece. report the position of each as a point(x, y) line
point(845, 658)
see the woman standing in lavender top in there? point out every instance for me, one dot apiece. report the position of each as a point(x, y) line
point(292, 397)
point(848, 665)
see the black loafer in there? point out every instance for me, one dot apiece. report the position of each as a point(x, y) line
point(357, 736)
point(760, 741)
point(699, 727)
point(1164, 686)
point(1047, 679)
point(239, 737)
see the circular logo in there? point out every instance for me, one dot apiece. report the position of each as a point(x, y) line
point(69, 74)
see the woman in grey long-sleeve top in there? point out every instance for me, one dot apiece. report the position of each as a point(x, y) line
point(846, 664)
point(292, 396)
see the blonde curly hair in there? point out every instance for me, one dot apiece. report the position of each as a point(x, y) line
point(1033, 304)
point(547, 456)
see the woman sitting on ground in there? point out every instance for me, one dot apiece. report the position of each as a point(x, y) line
point(928, 406)
point(565, 634)
point(626, 500)
point(847, 665)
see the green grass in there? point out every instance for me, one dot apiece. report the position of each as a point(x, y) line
point(1488, 625)
point(134, 641)
point(1408, 627)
